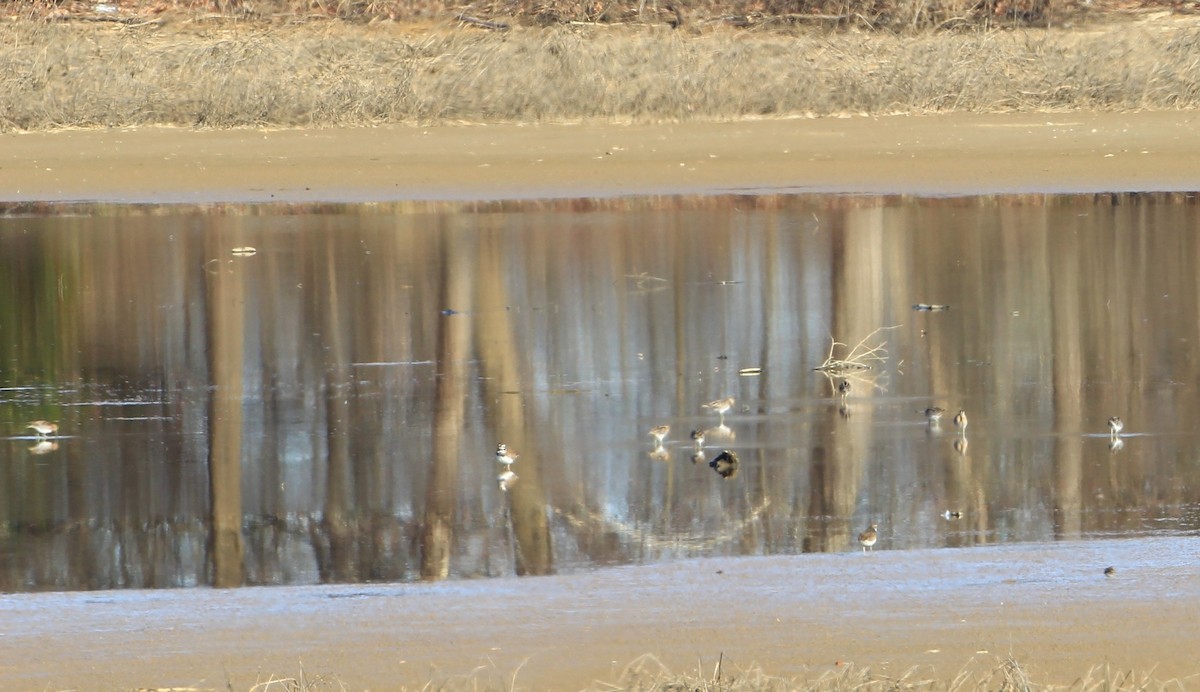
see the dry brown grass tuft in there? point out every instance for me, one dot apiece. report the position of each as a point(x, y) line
point(647, 674)
point(87, 75)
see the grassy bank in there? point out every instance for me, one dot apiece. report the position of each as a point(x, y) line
point(648, 674)
point(86, 74)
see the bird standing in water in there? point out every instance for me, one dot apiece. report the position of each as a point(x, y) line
point(504, 456)
point(720, 406)
point(867, 538)
point(1115, 426)
point(960, 422)
point(659, 432)
point(934, 414)
point(43, 428)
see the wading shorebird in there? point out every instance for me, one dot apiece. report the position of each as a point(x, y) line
point(1115, 426)
point(867, 538)
point(43, 428)
point(659, 432)
point(934, 414)
point(844, 388)
point(960, 422)
point(504, 456)
point(720, 406)
point(698, 438)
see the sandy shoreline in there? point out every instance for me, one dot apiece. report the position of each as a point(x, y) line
point(923, 155)
point(1048, 606)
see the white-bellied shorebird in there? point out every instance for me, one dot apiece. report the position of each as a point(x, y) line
point(867, 538)
point(659, 432)
point(1115, 426)
point(43, 428)
point(844, 388)
point(960, 421)
point(934, 414)
point(698, 437)
point(504, 455)
point(720, 406)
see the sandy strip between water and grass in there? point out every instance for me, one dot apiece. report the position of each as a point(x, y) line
point(923, 615)
point(939, 154)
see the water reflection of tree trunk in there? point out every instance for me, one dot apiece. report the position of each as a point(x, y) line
point(1066, 323)
point(453, 359)
point(226, 328)
point(500, 358)
point(858, 306)
point(338, 515)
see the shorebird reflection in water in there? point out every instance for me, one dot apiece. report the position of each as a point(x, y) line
point(504, 456)
point(726, 464)
point(721, 432)
point(1115, 444)
point(867, 538)
point(960, 445)
point(506, 479)
point(43, 428)
point(659, 432)
point(720, 406)
point(43, 446)
point(1115, 426)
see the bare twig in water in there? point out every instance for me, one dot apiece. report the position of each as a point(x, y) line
point(861, 357)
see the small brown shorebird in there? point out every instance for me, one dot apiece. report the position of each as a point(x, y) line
point(720, 406)
point(934, 414)
point(844, 388)
point(659, 432)
point(867, 538)
point(698, 437)
point(504, 455)
point(1115, 426)
point(960, 421)
point(43, 428)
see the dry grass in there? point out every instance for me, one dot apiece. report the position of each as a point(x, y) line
point(89, 75)
point(648, 674)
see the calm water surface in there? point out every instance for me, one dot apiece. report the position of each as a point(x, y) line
point(328, 408)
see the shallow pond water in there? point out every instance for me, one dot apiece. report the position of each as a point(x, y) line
point(326, 407)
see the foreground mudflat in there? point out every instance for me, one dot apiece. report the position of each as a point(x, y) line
point(1049, 606)
point(936, 154)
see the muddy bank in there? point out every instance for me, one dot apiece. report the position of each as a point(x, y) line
point(938, 154)
point(1049, 607)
